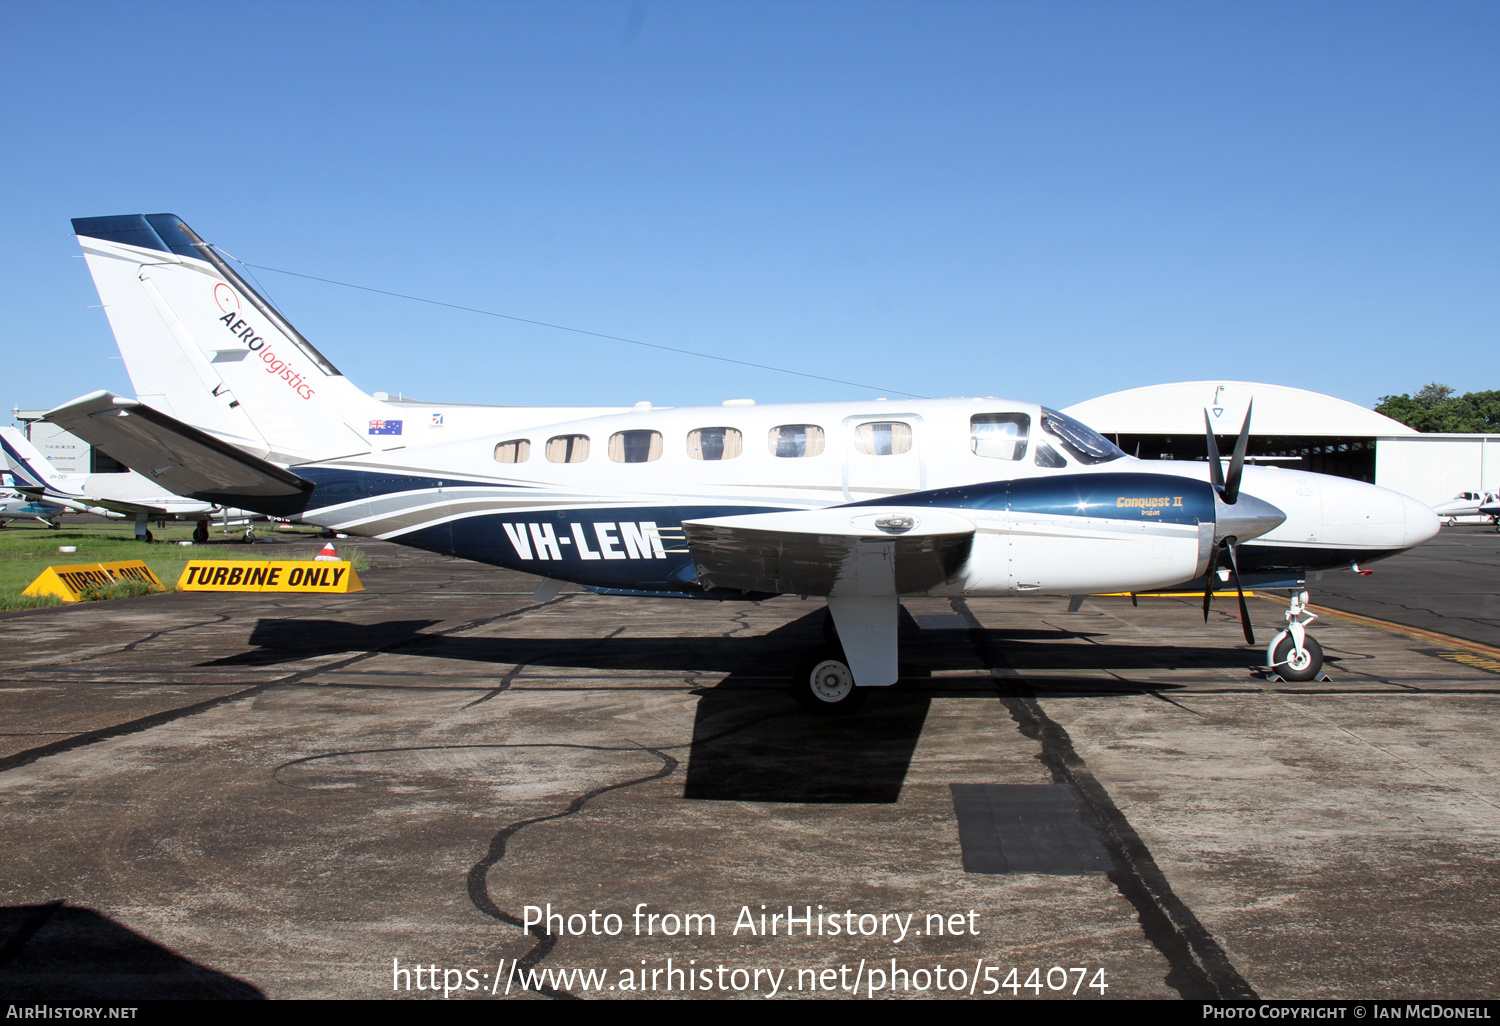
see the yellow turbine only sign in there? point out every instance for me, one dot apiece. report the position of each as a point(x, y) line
point(70, 582)
point(319, 576)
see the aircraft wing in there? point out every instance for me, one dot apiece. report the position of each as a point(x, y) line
point(181, 458)
point(132, 507)
point(839, 551)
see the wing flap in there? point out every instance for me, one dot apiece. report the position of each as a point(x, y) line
point(840, 551)
point(181, 458)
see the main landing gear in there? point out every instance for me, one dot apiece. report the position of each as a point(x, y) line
point(824, 683)
point(200, 532)
point(1293, 654)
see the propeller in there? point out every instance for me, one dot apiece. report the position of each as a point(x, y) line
point(1228, 488)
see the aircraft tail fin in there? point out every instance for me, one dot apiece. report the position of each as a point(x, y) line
point(204, 347)
point(28, 466)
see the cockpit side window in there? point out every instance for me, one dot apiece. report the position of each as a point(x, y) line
point(1048, 457)
point(1080, 441)
point(999, 436)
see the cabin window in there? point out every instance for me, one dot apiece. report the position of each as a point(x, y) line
point(790, 441)
point(999, 436)
point(714, 443)
point(883, 438)
point(635, 446)
point(568, 449)
point(517, 450)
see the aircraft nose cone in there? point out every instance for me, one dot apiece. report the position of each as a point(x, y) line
point(1420, 519)
point(1248, 518)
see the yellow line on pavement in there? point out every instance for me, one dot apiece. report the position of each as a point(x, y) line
point(1400, 628)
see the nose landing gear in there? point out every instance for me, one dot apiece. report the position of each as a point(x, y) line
point(1293, 655)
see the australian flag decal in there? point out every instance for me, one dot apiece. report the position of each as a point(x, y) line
point(385, 427)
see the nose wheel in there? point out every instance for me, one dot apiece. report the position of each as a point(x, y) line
point(1297, 664)
point(1294, 655)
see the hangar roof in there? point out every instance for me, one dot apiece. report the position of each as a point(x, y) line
point(1177, 409)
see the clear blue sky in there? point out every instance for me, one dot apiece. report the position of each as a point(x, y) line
point(1046, 201)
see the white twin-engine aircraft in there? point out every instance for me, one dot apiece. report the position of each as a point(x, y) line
point(860, 503)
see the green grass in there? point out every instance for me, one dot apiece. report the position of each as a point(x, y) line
point(115, 590)
point(26, 551)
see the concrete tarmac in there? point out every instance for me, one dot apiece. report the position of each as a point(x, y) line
point(361, 796)
point(1451, 584)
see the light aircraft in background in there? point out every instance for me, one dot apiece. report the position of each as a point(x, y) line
point(1490, 507)
point(860, 503)
point(113, 495)
point(19, 506)
point(1469, 504)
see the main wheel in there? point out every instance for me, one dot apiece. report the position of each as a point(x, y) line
point(825, 684)
point(1297, 666)
point(200, 532)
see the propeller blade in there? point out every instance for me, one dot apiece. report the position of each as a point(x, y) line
point(1215, 468)
point(1234, 569)
point(1237, 461)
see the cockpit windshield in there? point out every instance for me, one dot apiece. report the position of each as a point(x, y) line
point(1082, 442)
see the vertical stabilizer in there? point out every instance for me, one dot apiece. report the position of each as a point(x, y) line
point(205, 348)
point(29, 467)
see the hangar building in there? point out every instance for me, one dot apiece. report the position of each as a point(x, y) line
point(67, 453)
point(1292, 427)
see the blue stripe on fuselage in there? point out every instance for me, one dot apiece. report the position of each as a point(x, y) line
point(1161, 498)
point(335, 485)
point(634, 549)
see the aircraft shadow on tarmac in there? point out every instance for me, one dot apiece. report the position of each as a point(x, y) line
point(771, 655)
point(759, 746)
point(751, 741)
point(55, 952)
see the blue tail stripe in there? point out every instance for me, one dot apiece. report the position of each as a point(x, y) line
point(21, 470)
point(148, 231)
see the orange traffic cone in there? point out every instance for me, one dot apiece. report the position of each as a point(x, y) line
point(328, 554)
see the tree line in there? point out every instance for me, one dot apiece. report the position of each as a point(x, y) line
point(1436, 409)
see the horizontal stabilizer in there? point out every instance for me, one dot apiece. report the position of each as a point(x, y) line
point(844, 551)
point(181, 458)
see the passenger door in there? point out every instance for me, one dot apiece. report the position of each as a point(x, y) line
point(883, 456)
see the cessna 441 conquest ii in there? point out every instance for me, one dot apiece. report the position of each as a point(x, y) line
point(860, 503)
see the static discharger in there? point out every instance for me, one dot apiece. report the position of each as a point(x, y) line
point(324, 578)
point(70, 582)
